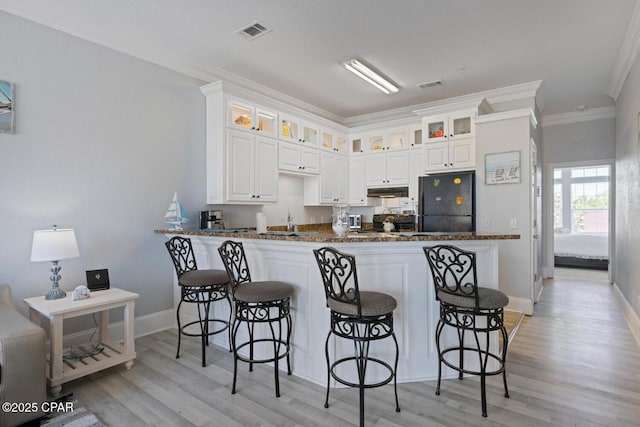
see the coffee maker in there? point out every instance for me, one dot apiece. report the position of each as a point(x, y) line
point(211, 219)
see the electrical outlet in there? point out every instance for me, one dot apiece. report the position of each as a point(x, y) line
point(487, 224)
point(513, 223)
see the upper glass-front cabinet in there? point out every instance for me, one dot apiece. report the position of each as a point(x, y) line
point(390, 139)
point(448, 127)
point(330, 140)
point(289, 129)
point(246, 116)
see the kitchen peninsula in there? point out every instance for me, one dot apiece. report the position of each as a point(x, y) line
point(393, 263)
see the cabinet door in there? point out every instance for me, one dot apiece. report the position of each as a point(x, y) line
point(327, 178)
point(398, 168)
point(356, 145)
point(434, 129)
point(357, 190)
point(416, 169)
point(310, 134)
point(289, 129)
point(461, 125)
point(289, 158)
point(375, 143)
point(241, 115)
point(462, 154)
point(437, 156)
point(341, 144)
point(341, 180)
point(266, 122)
point(328, 140)
point(310, 161)
point(375, 170)
point(240, 161)
point(266, 172)
point(398, 139)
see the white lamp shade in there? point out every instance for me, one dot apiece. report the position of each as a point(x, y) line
point(54, 245)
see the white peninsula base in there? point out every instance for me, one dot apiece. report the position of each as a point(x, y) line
point(397, 268)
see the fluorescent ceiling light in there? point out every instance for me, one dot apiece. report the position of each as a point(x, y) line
point(370, 76)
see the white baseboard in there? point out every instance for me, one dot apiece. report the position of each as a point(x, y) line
point(143, 325)
point(520, 304)
point(629, 313)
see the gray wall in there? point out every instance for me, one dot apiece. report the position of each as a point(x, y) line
point(627, 234)
point(103, 140)
point(581, 141)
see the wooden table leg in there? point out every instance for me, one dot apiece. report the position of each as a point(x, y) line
point(55, 356)
point(129, 344)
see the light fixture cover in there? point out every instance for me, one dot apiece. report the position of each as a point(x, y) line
point(370, 76)
point(54, 245)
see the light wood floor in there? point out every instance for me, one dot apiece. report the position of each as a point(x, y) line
point(574, 363)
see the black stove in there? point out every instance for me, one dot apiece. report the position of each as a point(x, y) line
point(402, 222)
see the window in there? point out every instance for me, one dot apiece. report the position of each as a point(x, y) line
point(581, 200)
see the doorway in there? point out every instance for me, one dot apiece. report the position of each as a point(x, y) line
point(582, 220)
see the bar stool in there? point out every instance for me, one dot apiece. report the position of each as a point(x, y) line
point(466, 306)
point(257, 302)
point(201, 287)
point(360, 316)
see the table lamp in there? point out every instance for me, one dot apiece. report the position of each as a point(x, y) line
point(54, 245)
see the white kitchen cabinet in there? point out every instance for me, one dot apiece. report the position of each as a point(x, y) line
point(387, 169)
point(246, 116)
point(332, 185)
point(388, 139)
point(452, 155)
point(294, 129)
point(252, 175)
point(357, 188)
point(333, 141)
point(296, 159)
point(356, 145)
point(415, 137)
point(448, 127)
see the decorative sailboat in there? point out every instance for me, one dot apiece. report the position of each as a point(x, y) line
point(175, 214)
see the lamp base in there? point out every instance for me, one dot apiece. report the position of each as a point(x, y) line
point(55, 293)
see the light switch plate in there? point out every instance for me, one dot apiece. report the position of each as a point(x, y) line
point(513, 223)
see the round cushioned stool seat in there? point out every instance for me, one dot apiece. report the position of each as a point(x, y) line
point(371, 304)
point(488, 299)
point(265, 291)
point(203, 278)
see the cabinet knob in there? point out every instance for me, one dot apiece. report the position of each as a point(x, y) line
point(258, 196)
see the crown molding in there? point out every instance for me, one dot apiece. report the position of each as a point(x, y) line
point(505, 94)
point(579, 116)
point(507, 115)
point(626, 56)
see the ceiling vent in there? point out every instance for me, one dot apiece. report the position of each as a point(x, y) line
point(430, 84)
point(253, 30)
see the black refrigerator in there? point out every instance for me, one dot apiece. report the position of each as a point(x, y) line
point(447, 202)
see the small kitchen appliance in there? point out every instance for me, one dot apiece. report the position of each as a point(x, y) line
point(211, 219)
point(355, 222)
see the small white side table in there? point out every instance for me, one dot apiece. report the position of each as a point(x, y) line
point(60, 371)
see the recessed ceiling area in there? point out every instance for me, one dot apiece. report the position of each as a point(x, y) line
point(570, 45)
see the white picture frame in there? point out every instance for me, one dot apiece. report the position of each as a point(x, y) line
point(502, 168)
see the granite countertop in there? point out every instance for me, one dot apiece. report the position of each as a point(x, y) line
point(325, 236)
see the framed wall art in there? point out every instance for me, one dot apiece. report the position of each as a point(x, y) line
point(502, 168)
point(7, 115)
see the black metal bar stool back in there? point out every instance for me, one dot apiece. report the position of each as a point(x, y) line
point(467, 307)
point(266, 302)
point(361, 316)
point(201, 287)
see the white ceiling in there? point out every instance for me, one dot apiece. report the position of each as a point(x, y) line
point(472, 45)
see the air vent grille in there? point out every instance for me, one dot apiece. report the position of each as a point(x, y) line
point(253, 30)
point(431, 84)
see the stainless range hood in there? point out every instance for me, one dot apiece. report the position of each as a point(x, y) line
point(388, 192)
